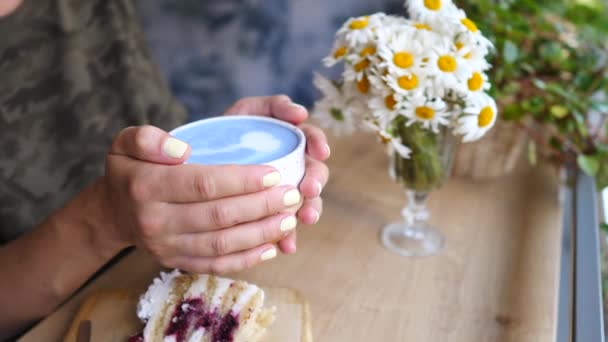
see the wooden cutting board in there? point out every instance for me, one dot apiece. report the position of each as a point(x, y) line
point(113, 319)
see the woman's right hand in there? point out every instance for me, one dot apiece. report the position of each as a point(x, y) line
point(198, 218)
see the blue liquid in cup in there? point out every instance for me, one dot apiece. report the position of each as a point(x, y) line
point(242, 141)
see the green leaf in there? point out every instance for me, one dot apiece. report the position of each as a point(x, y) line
point(604, 227)
point(512, 112)
point(558, 111)
point(337, 114)
point(538, 83)
point(510, 52)
point(589, 164)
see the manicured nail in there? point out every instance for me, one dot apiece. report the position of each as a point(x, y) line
point(298, 106)
point(288, 223)
point(317, 216)
point(269, 254)
point(328, 150)
point(319, 188)
point(175, 148)
point(271, 179)
point(291, 197)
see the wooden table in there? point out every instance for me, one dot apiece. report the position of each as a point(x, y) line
point(496, 280)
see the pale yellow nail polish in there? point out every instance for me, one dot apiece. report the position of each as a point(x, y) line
point(328, 150)
point(175, 148)
point(291, 197)
point(269, 254)
point(288, 223)
point(317, 216)
point(271, 179)
point(298, 106)
point(319, 188)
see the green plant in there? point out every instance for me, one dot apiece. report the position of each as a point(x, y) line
point(550, 75)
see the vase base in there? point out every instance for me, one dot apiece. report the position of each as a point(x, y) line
point(419, 240)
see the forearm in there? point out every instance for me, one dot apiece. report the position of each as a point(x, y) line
point(44, 267)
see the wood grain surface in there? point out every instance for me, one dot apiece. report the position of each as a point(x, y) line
point(496, 280)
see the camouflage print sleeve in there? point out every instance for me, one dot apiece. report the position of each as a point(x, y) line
point(73, 74)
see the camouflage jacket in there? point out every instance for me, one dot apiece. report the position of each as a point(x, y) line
point(72, 75)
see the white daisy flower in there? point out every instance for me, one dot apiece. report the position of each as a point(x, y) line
point(405, 83)
point(359, 63)
point(429, 11)
point(333, 111)
point(360, 31)
point(338, 53)
point(404, 54)
point(480, 115)
point(429, 112)
point(384, 108)
point(449, 67)
point(393, 143)
point(478, 81)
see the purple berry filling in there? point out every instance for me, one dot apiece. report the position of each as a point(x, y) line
point(191, 313)
point(185, 313)
point(137, 338)
point(225, 331)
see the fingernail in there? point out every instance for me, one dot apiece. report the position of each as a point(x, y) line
point(269, 254)
point(271, 179)
point(288, 223)
point(298, 106)
point(317, 216)
point(328, 150)
point(174, 148)
point(291, 197)
point(319, 188)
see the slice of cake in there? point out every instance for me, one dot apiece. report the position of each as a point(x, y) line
point(200, 308)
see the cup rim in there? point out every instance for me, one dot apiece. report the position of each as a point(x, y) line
point(300, 134)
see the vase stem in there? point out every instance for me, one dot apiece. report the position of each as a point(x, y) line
point(416, 211)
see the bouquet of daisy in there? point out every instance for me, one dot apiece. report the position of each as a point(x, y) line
point(419, 83)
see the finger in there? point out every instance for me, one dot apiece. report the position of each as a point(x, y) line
point(227, 263)
point(315, 178)
point(151, 144)
point(235, 239)
point(316, 146)
point(278, 106)
point(200, 183)
point(229, 212)
point(311, 211)
point(288, 244)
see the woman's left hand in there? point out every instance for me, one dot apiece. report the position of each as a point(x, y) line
point(317, 150)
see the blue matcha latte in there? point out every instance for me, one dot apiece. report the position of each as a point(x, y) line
point(242, 141)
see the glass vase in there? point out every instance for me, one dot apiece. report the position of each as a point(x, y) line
point(425, 170)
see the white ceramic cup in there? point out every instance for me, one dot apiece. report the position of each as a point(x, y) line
point(291, 165)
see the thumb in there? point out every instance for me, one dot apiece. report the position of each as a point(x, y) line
point(151, 144)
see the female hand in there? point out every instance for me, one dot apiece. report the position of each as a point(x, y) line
point(197, 218)
point(317, 150)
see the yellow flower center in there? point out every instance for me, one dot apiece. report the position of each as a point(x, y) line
point(475, 82)
point(469, 24)
point(363, 85)
point(468, 56)
point(422, 26)
point(390, 102)
point(359, 24)
point(459, 45)
point(408, 82)
point(361, 65)
point(447, 63)
point(370, 50)
point(340, 52)
point(425, 59)
point(403, 59)
point(425, 113)
point(485, 116)
point(433, 5)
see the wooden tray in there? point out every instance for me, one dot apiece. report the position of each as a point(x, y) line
point(113, 319)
